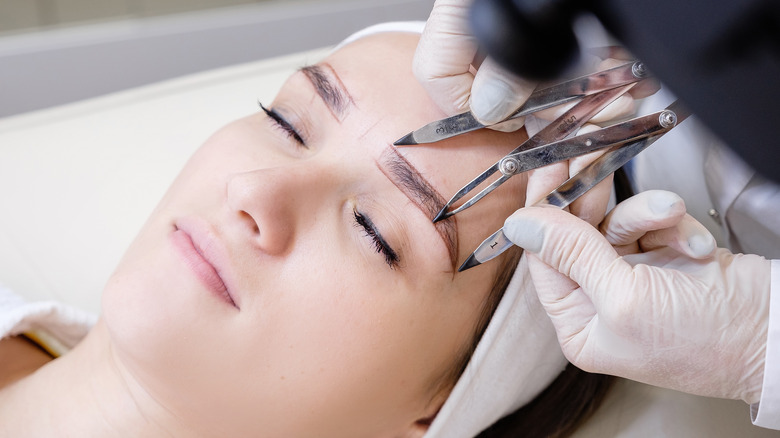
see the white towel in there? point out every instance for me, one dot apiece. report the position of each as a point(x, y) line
point(58, 326)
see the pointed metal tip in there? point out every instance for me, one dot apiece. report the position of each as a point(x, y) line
point(406, 140)
point(469, 263)
point(441, 215)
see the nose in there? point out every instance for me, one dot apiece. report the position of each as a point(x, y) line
point(273, 205)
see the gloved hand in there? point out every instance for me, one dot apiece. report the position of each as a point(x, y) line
point(671, 311)
point(446, 65)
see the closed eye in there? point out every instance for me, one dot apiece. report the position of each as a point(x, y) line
point(283, 124)
point(380, 245)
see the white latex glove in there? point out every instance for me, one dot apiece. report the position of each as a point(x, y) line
point(672, 312)
point(445, 64)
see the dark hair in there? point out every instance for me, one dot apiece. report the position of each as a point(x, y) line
point(558, 410)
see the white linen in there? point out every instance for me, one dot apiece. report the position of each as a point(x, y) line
point(517, 358)
point(59, 326)
point(390, 26)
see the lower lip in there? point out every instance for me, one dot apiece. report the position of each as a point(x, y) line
point(202, 268)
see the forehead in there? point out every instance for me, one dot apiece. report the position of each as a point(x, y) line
point(376, 71)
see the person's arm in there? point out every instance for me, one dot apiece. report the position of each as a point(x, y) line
point(766, 413)
point(659, 307)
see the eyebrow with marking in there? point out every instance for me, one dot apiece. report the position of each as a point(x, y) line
point(422, 194)
point(328, 85)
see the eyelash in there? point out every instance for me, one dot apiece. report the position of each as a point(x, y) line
point(283, 124)
point(391, 258)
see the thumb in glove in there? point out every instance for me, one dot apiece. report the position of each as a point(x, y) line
point(659, 316)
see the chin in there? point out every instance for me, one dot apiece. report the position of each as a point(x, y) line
point(148, 315)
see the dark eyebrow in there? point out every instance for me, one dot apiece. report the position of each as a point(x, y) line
point(422, 194)
point(328, 85)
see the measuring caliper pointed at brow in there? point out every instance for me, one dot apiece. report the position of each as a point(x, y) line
point(544, 98)
point(539, 150)
point(625, 141)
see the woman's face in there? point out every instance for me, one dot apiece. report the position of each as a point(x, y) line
point(291, 282)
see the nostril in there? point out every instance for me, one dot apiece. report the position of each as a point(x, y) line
point(250, 221)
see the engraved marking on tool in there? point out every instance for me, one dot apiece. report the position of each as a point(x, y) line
point(566, 123)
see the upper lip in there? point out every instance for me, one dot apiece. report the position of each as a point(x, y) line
point(212, 249)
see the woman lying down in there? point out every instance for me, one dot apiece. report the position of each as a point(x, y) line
point(291, 284)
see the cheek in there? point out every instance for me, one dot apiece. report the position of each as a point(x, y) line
point(161, 319)
point(365, 346)
point(320, 330)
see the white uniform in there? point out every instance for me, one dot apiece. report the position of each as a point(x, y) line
point(741, 208)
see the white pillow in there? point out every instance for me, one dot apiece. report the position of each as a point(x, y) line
point(78, 181)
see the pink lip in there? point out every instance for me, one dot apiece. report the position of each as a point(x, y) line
point(202, 255)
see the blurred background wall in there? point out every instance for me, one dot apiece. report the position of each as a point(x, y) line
point(58, 51)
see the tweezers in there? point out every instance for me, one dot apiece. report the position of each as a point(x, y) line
point(558, 94)
point(626, 140)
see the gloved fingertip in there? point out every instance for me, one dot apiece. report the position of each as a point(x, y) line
point(524, 231)
point(510, 125)
point(492, 102)
point(588, 127)
point(701, 245)
point(663, 203)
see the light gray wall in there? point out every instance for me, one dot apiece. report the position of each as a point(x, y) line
point(31, 15)
point(54, 67)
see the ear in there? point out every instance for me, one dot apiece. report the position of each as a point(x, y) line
point(421, 425)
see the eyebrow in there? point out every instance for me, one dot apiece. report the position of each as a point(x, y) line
point(330, 88)
point(422, 194)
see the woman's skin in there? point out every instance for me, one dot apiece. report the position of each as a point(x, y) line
point(294, 321)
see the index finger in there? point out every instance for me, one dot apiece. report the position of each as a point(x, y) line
point(442, 62)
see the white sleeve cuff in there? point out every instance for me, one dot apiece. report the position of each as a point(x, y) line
point(766, 413)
